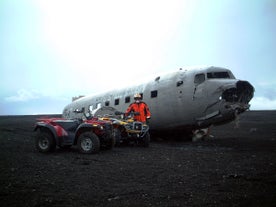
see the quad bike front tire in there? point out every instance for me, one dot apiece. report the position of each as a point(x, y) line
point(146, 140)
point(44, 141)
point(117, 136)
point(88, 143)
point(110, 143)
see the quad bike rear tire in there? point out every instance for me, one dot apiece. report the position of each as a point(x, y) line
point(44, 141)
point(88, 143)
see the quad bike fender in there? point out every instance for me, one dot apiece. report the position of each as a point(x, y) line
point(56, 131)
point(88, 126)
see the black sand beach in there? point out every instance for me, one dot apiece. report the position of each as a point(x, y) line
point(236, 166)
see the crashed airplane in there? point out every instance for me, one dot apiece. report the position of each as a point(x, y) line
point(184, 101)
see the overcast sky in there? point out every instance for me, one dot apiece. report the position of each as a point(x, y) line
point(52, 50)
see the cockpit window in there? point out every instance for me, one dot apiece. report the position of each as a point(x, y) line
point(199, 78)
point(218, 75)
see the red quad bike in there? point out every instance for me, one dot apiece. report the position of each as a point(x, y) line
point(89, 134)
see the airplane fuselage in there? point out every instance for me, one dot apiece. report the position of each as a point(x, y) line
point(192, 98)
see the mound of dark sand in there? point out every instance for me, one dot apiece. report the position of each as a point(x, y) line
point(236, 166)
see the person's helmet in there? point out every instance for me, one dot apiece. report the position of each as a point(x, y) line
point(137, 96)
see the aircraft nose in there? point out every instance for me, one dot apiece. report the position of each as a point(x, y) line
point(245, 91)
point(241, 94)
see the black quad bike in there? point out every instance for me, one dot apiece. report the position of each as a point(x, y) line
point(89, 134)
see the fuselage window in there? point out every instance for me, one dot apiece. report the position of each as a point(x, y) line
point(127, 99)
point(153, 94)
point(218, 75)
point(117, 101)
point(106, 103)
point(199, 78)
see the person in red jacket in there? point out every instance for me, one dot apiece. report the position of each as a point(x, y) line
point(139, 106)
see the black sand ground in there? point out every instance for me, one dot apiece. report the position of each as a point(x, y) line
point(235, 167)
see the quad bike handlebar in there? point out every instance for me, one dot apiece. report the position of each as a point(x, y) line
point(131, 114)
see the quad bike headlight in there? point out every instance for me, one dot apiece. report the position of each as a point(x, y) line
point(137, 126)
point(99, 126)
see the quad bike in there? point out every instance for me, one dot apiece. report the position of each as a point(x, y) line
point(126, 129)
point(88, 134)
